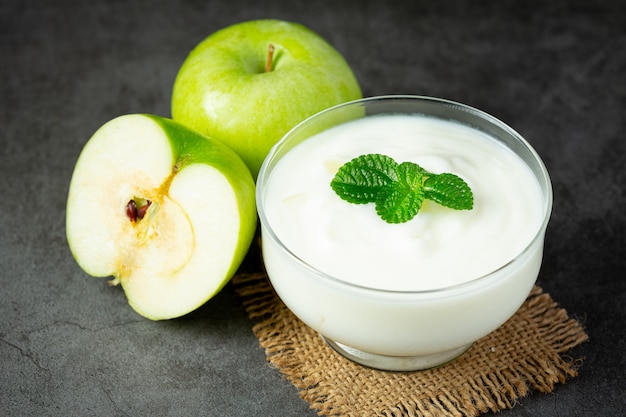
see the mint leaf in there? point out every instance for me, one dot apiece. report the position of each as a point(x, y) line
point(362, 179)
point(398, 191)
point(402, 199)
point(450, 191)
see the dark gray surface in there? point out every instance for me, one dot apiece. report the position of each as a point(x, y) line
point(70, 345)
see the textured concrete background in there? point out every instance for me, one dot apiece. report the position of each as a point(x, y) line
point(70, 345)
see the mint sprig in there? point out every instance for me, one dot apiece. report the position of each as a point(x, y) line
point(398, 190)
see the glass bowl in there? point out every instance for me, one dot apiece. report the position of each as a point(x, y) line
point(389, 328)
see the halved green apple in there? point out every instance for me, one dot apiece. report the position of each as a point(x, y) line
point(166, 211)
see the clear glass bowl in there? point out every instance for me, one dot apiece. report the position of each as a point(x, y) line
point(401, 330)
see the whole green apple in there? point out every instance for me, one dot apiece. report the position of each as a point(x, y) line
point(250, 83)
point(166, 211)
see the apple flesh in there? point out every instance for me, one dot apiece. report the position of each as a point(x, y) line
point(250, 83)
point(169, 213)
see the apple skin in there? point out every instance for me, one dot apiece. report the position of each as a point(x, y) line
point(223, 90)
point(194, 235)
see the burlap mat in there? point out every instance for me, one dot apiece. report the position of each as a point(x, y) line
point(522, 355)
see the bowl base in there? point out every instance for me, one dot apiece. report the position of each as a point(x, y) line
point(397, 363)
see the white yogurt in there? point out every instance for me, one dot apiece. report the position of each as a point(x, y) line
point(440, 247)
point(411, 295)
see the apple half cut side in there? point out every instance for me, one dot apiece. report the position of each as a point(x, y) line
point(166, 211)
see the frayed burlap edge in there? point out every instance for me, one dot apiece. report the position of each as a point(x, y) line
point(524, 354)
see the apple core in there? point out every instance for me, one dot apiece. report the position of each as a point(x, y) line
point(134, 211)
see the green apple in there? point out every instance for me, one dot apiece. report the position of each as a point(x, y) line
point(166, 211)
point(250, 83)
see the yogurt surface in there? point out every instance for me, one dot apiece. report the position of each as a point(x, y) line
point(438, 248)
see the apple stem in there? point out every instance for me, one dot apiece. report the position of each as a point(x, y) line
point(270, 57)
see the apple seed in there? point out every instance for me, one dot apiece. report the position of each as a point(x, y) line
point(141, 211)
point(133, 212)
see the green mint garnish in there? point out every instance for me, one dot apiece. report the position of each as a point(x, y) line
point(398, 190)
